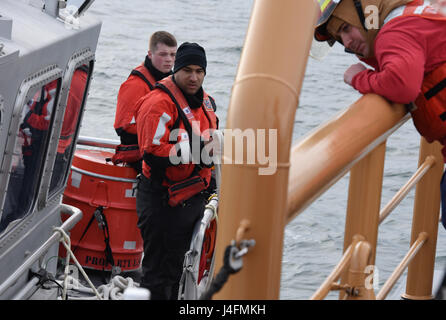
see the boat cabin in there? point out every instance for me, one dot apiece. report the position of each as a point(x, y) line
point(47, 51)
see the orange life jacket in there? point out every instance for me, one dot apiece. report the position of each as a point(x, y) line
point(142, 72)
point(429, 116)
point(124, 119)
point(74, 103)
point(37, 119)
point(185, 119)
point(125, 123)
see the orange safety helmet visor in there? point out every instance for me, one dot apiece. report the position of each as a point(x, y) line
point(326, 9)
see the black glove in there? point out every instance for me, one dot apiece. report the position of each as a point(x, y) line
point(230, 262)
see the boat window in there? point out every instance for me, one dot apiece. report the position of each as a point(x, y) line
point(1, 112)
point(29, 150)
point(75, 102)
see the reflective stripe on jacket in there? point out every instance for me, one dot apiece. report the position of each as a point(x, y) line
point(163, 131)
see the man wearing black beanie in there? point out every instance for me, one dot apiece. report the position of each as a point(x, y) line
point(171, 195)
point(190, 53)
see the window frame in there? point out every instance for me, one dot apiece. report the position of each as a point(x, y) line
point(2, 113)
point(81, 57)
point(26, 91)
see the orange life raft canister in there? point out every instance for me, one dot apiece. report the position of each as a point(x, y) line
point(97, 186)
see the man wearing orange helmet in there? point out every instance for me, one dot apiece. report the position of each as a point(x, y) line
point(405, 43)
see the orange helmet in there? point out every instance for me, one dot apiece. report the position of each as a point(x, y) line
point(326, 9)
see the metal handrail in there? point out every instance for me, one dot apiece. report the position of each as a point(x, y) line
point(416, 246)
point(417, 242)
point(188, 282)
point(342, 265)
point(325, 288)
point(354, 141)
point(402, 193)
point(97, 142)
point(103, 176)
point(75, 217)
point(327, 154)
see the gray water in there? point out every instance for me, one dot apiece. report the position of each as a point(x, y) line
point(314, 240)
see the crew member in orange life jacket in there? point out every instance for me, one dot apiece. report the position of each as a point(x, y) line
point(171, 197)
point(156, 66)
point(69, 124)
point(34, 130)
point(407, 51)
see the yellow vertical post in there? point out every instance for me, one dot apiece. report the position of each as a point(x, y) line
point(264, 97)
point(425, 219)
point(364, 200)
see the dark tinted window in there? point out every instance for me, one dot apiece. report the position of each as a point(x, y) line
point(69, 127)
point(28, 154)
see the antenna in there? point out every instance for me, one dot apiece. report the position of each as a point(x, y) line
point(84, 6)
point(72, 10)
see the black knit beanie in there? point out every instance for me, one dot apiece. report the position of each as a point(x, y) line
point(190, 53)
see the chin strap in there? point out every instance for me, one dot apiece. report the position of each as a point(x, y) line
point(349, 51)
point(360, 12)
point(352, 52)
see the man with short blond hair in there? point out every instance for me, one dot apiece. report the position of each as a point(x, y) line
point(156, 66)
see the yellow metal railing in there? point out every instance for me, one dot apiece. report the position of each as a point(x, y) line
point(416, 246)
point(363, 218)
point(399, 196)
point(330, 283)
point(265, 96)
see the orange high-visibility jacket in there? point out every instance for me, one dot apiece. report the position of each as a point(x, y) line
point(139, 83)
point(159, 114)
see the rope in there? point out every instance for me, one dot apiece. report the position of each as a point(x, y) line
point(67, 244)
point(232, 263)
point(222, 276)
point(114, 290)
point(232, 259)
point(211, 207)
